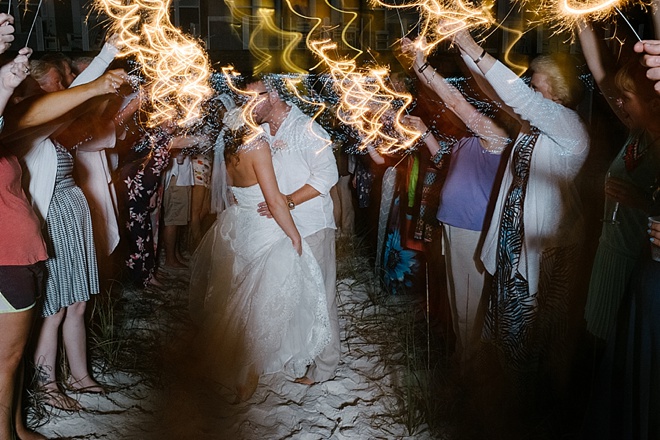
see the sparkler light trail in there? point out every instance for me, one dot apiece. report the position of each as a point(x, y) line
point(440, 19)
point(367, 103)
point(253, 100)
point(266, 22)
point(292, 84)
point(354, 17)
point(174, 63)
point(564, 15)
point(519, 69)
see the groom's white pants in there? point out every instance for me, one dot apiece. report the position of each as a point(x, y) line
point(322, 244)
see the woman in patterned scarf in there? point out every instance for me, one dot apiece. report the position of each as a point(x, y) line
point(534, 237)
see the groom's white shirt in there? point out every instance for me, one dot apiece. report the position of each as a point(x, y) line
point(302, 154)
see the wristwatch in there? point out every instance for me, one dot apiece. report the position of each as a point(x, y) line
point(290, 203)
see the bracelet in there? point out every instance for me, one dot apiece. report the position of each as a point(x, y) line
point(425, 135)
point(481, 57)
point(428, 81)
point(423, 67)
point(437, 157)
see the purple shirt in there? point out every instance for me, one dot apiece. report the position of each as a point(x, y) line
point(466, 194)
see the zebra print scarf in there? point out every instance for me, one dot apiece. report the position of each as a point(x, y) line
point(511, 311)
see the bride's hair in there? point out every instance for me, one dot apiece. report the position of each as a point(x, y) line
point(234, 139)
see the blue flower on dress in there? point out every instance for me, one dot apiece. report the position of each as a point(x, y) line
point(399, 263)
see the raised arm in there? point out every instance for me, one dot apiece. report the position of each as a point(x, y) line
point(263, 169)
point(556, 121)
point(99, 64)
point(15, 71)
point(651, 50)
point(493, 137)
point(651, 59)
point(12, 74)
point(602, 67)
point(51, 106)
point(474, 66)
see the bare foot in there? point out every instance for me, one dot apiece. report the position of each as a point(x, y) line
point(304, 380)
point(85, 385)
point(57, 399)
point(245, 391)
point(22, 433)
point(153, 281)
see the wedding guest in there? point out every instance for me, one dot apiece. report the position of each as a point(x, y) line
point(90, 137)
point(64, 65)
point(21, 255)
point(466, 200)
point(534, 238)
point(140, 191)
point(72, 270)
point(342, 194)
point(626, 391)
point(629, 182)
point(179, 181)
point(200, 198)
point(48, 75)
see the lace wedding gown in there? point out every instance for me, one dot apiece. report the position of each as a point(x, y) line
point(260, 304)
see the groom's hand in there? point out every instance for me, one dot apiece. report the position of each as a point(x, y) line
point(262, 209)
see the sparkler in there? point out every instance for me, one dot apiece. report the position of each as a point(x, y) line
point(264, 23)
point(36, 15)
point(564, 15)
point(175, 64)
point(628, 23)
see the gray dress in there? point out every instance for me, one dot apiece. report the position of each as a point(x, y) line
point(72, 274)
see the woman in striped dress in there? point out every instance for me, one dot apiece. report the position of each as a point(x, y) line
point(72, 277)
point(72, 274)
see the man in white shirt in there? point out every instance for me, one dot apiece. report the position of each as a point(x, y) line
point(306, 170)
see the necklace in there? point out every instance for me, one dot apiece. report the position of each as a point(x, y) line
point(636, 150)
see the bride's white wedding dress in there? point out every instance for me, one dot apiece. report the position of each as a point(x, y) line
point(262, 307)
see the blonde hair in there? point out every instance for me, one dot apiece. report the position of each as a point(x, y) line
point(563, 77)
point(40, 68)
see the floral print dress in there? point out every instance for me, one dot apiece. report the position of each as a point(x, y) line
point(141, 185)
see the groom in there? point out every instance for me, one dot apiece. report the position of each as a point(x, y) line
point(305, 168)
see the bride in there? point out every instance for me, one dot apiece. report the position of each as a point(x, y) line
point(254, 280)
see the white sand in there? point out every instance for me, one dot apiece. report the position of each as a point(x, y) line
point(360, 403)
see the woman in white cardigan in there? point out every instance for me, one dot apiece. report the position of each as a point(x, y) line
point(533, 240)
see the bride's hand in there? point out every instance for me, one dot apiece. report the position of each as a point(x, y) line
point(297, 245)
point(262, 209)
